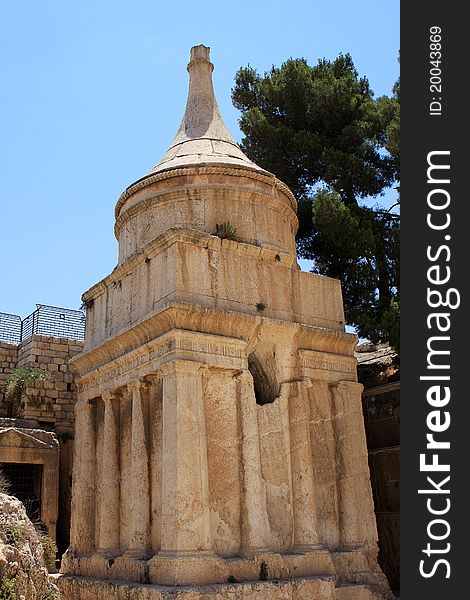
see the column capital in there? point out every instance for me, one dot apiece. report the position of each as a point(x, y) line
point(342, 386)
point(113, 395)
point(83, 407)
point(152, 378)
point(243, 375)
point(135, 385)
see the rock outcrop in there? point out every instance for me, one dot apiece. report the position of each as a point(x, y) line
point(23, 572)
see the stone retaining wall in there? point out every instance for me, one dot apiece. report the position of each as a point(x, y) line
point(48, 402)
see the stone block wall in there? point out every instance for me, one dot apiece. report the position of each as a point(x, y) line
point(48, 402)
point(47, 405)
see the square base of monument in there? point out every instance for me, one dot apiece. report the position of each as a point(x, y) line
point(352, 574)
point(121, 568)
point(187, 569)
point(308, 588)
point(201, 568)
point(281, 566)
point(360, 566)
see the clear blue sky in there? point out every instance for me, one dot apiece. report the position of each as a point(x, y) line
point(93, 93)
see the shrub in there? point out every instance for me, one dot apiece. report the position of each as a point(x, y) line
point(14, 534)
point(17, 379)
point(50, 551)
point(7, 588)
point(225, 231)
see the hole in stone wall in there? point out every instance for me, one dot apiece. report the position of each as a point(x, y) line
point(25, 483)
point(264, 381)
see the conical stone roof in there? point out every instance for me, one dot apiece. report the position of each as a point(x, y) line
point(202, 138)
point(203, 180)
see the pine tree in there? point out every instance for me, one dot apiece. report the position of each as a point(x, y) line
point(321, 131)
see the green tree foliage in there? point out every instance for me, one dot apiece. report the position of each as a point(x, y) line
point(321, 131)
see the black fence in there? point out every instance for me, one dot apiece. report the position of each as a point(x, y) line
point(10, 328)
point(45, 320)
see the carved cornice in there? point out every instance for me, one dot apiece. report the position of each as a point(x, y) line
point(211, 321)
point(326, 365)
point(180, 346)
point(205, 170)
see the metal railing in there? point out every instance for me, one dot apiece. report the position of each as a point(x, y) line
point(10, 328)
point(45, 320)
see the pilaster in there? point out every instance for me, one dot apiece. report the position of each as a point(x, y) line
point(110, 485)
point(82, 533)
point(139, 539)
point(357, 520)
point(306, 536)
point(185, 554)
point(254, 517)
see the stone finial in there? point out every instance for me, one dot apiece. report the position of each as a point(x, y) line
point(202, 137)
point(200, 52)
point(201, 118)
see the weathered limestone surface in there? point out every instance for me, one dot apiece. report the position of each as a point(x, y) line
point(219, 436)
point(23, 571)
point(297, 589)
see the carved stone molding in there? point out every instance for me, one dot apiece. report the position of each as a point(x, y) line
point(204, 170)
point(148, 360)
point(324, 366)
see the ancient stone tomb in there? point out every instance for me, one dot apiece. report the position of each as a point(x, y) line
point(219, 432)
